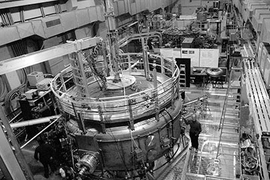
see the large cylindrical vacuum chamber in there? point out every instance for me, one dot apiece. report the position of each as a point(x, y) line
point(132, 124)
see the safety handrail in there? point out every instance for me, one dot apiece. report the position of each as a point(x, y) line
point(222, 118)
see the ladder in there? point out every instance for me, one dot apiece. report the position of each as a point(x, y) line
point(233, 89)
point(182, 79)
point(79, 75)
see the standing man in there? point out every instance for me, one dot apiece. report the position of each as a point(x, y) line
point(194, 131)
point(45, 154)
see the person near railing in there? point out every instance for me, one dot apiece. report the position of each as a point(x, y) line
point(194, 131)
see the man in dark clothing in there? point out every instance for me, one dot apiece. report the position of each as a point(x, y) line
point(195, 130)
point(45, 153)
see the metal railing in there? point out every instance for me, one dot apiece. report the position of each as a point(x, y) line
point(118, 107)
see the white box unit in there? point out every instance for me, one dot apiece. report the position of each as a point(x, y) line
point(35, 77)
point(31, 94)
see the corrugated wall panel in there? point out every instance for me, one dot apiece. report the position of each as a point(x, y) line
point(147, 4)
point(158, 4)
point(49, 9)
point(68, 21)
point(63, 7)
point(8, 35)
point(25, 29)
point(143, 5)
point(164, 3)
point(92, 14)
point(151, 5)
point(5, 53)
point(138, 5)
point(58, 67)
point(127, 6)
point(121, 7)
point(115, 7)
point(100, 13)
point(31, 12)
point(38, 28)
point(86, 3)
point(82, 17)
point(15, 15)
point(133, 9)
point(51, 26)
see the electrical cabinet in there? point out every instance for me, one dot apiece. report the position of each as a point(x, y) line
point(40, 106)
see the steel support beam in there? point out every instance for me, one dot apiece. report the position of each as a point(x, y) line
point(34, 121)
point(10, 166)
point(20, 62)
point(259, 105)
point(12, 156)
point(10, 4)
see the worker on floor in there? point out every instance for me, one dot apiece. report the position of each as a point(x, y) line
point(45, 154)
point(194, 131)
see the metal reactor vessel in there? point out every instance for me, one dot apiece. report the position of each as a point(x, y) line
point(123, 110)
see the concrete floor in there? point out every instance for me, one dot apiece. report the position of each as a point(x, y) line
point(207, 162)
point(35, 166)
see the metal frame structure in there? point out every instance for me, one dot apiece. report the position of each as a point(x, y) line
point(11, 155)
point(259, 108)
point(20, 62)
point(16, 161)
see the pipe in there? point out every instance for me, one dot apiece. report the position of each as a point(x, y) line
point(203, 97)
point(40, 132)
point(34, 121)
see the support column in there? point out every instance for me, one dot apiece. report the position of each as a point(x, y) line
point(10, 156)
point(145, 60)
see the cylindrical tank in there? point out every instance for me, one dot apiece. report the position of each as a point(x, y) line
point(129, 126)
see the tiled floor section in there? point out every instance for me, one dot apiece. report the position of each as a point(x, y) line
point(207, 162)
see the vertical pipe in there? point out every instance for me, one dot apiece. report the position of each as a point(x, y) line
point(145, 60)
point(81, 123)
point(42, 11)
point(63, 82)
point(162, 65)
point(105, 61)
point(56, 8)
point(59, 8)
point(156, 91)
point(129, 65)
point(11, 22)
point(22, 14)
point(172, 95)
